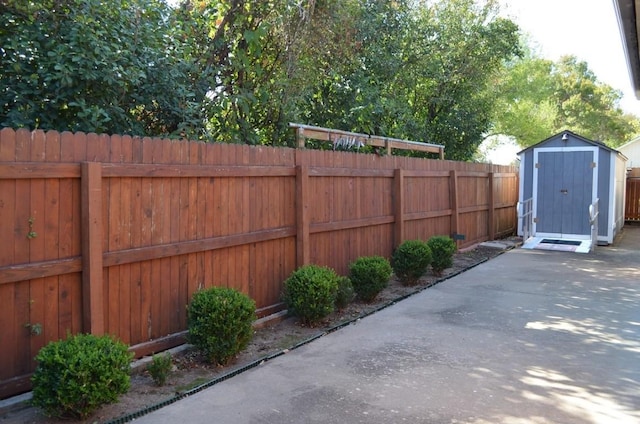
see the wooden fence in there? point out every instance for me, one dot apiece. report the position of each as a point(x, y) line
point(113, 234)
point(632, 196)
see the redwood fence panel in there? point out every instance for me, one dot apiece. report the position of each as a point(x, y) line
point(632, 201)
point(113, 234)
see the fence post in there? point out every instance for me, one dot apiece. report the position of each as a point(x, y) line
point(303, 256)
point(398, 206)
point(300, 140)
point(91, 234)
point(453, 201)
point(492, 209)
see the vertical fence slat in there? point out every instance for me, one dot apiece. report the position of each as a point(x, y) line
point(21, 246)
point(453, 201)
point(492, 208)
point(9, 330)
point(302, 216)
point(398, 206)
point(92, 284)
point(632, 201)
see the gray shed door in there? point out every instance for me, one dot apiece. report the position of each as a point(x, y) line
point(565, 182)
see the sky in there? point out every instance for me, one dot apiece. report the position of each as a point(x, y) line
point(587, 29)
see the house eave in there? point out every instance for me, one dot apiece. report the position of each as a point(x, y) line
point(627, 15)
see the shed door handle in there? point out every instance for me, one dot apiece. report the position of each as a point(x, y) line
point(564, 191)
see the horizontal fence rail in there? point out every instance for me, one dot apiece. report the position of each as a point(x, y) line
point(113, 234)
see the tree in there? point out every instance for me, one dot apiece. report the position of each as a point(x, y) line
point(539, 98)
point(239, 71)
point(588, 106)
point(422, 72)
point(460, 48)
point(94, 66)
point(358, 50)
point(524, 108)
point(235, 53)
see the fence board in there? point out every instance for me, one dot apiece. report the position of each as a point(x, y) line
point(135, 241)
point(8, 211)
point(178, 267)
point(22, 362)
point(164, 225)
point(9, 335)
point(155, 324)
point(7, 145)
point(135, 329)
point(70, 304)
point(36, 235)
point(8, 315)
point(176, 216)
point(92, 266)
point(21, 245)
point(632, 201)
point(51, 310)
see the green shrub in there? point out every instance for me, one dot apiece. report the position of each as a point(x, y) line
point(442, 250)
point(310, 292)
point(220, 322)
point(76, 376)
point(160, 367)
point(345, 294)
point(410, 261)
point(369, 275)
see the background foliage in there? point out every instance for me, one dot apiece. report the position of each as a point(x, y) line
point(539, 98)
point(449, 72)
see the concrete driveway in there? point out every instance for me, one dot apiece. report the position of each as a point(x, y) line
point(528, 337)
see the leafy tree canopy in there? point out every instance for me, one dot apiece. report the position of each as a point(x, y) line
point(539, 98)
point(444, 71)
point(89, 65)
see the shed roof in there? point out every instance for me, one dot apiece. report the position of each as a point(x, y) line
point(581, 138)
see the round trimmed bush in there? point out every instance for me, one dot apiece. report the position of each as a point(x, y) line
point(76, 376)
point(369, 275)
point(220, 322)
point(410, 261)
point(310, 292)
point(442, 250)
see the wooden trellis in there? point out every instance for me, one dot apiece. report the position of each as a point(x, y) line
point(304, 132)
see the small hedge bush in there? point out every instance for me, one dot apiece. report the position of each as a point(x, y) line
point(220, 322)
point(369, 275)
point(310, 292)
point(345, 294)
point(160, 367)
point(442, 250)
point(410, 261)
point(76, 376)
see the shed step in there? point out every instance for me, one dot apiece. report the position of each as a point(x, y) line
point(558, 244)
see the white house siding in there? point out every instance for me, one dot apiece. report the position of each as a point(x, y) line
point(632, 151)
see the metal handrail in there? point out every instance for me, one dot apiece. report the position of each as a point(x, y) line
point(593, 221)
point(525, 212)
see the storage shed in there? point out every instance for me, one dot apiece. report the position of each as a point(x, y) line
point(561, 178)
